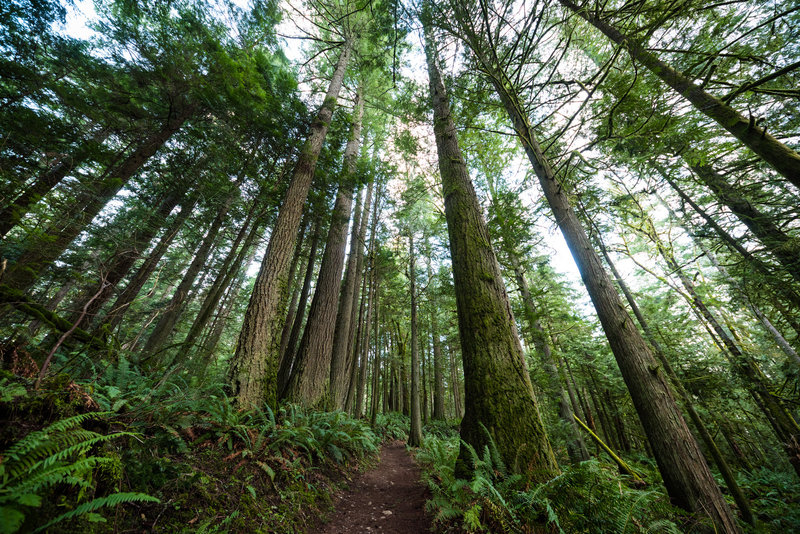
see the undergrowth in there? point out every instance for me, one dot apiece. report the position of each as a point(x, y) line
point(590, 497)
point(166, 454)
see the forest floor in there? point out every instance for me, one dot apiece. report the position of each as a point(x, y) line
point(388, 499)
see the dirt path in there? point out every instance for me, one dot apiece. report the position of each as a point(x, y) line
point(387, 499)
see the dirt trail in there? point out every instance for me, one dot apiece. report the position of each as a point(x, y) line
point(387, 499)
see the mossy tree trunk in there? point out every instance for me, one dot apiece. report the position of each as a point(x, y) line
point(500, 405)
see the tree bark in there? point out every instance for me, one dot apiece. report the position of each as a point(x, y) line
point(727, 474)
point(415, 434)
point(309, 382)
point(287, 356)
point(254, 367)
point(341, 349)
point(501, 410)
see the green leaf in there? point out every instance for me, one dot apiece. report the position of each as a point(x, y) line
point(10, 520)
point(92, 517)
point(30, 500)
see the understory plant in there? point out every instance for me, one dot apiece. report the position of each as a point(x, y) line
point(588, 497)
point(61, 455)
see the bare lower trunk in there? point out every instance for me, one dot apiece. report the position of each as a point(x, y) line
point(288, 354)
point(575, 446)
point(727, 474)
point(312, 371)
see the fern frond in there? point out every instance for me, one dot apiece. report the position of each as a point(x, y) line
point(112, 500)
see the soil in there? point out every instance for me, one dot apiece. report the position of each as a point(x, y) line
point(389, 499)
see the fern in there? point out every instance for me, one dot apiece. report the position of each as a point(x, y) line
point(54, 455)
point(114, 499)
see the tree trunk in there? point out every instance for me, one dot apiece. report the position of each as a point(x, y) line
point(227, 272)
point(686, 475)
point(309, 382)
point(364, 343)
point(438, 374)
point(739, 291)
point(123, 260)
point(174, 310)
point(782, 291)
point(575, 446)
point(204, 356)
point(355, 366)
point(14, 212)
point(41, 251)
point(727, 474)
point(376, 364)
point(786, 428)
point(775, 241)
point(135, 284)
point(294, 280)
point(501, 410)
point(782, 158)
point(415, 434)
point(254, 366)
point(287, 356)
point(341, 350)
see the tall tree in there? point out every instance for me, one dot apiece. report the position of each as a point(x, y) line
point(685, 472)
point(500, 405)
point(308, 382)
point(254, 366)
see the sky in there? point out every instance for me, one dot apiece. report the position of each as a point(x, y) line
point(79, 16)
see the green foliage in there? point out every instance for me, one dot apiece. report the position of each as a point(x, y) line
point(392, 425)
point(588, 497)
point(56, 456)
point(775, 495)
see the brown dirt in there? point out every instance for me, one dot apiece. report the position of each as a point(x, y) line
point(389, 499)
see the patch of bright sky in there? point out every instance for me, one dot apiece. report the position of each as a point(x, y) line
point(291, 31)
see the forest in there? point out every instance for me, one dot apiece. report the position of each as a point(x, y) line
point(334, 266)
